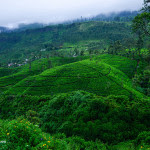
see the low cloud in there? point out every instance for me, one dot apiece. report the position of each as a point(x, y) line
point(13, 12)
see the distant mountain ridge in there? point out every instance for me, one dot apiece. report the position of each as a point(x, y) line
point(23, 26)
point(122, 16)
point(3, 29)
point(19, 45)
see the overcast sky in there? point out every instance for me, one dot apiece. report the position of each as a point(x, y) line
point(13, 12)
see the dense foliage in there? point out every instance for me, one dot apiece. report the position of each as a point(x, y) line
point(111, 119)
point(27, 44)
point(78, 86)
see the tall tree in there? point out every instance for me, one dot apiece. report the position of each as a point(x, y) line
point(49, 63)
point(146, 7)
point(30, 64)
point(141, 22)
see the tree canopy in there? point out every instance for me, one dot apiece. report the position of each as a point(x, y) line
point(141, 23)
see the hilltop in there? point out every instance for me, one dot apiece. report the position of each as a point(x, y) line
point(99, 75)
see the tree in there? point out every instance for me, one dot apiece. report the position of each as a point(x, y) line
point(141, 23)
point(82, 53)
point(110, 49)
point(76, 51)
point(115, 48)
point(30, 64)
point(49, 63)
point(146, 7)
point(90, 51)
point(117, 19)
point(140, 42)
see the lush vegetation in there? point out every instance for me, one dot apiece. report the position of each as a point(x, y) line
point(79, 86)
point(79, 115)
point(27, 44)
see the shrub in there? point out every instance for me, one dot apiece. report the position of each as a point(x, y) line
point(33, 117)
point(143, 138)
point(23, 135)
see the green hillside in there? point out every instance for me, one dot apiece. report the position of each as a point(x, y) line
point(37, 67)
point(91, 76)
point(124, 64)
point(26, 44)
point(7, 71)
point(79, 86)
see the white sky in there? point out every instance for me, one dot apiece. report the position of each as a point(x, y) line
point(13, 12)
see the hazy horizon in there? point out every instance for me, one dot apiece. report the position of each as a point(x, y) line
point(14, 12)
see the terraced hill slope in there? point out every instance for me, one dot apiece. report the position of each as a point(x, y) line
point(8, 78)
point(92, 76)
point(124, 64)
point(8, 71)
